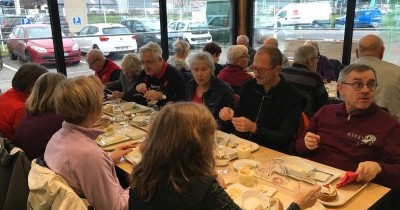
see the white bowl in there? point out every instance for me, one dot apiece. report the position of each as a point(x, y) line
point(298, 167)
point(251, 199)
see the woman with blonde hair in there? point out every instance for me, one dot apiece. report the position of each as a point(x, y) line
point(177, 166)
point(41, 121)
point(178, 60)
point(125, 86)
point(72, 151)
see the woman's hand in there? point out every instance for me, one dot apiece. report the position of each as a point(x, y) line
point(120, 151)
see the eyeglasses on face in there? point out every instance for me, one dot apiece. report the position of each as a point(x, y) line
point(259, 70)
point(359, 85)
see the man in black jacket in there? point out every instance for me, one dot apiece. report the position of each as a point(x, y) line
point(269, 109)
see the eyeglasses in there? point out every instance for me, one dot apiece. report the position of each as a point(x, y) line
point(359, 85)
point(91, 63)
point(315, 57)
point(259, 70)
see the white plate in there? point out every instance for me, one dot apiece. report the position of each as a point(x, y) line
point(236, 190)
point(340, 200)
point(251, 199)
point(317, 206)
point(298, 167)
point(239, 163)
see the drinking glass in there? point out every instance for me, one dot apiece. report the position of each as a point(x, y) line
point(265, 168)
point(220, 156)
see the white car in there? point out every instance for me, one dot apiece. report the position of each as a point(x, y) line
point(193, 32)
point(107, 37)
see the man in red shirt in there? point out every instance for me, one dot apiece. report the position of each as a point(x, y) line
point(105, 69)
point(12, 102)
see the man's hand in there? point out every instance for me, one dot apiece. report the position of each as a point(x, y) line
point(153, 95)
point(141, 88)
point(367, 171)
point(243, 124)
point(311, 140)
point(226, 113)
point(120, 151)
point(221, 181)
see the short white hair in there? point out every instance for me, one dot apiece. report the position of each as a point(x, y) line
point(236, 51)
point(152, 47)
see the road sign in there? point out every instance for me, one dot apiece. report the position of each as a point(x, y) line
point(25, 21)
point(77, 20)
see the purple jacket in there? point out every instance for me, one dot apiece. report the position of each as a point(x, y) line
point(348, 139)
point(73, 154)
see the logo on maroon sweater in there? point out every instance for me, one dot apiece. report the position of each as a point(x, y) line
point(360, 139)
point(368, 139)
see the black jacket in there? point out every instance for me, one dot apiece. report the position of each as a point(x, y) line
point(277, 114)
point(219, 95)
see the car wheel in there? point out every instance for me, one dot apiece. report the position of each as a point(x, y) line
point(12, 55)
point(28, 57)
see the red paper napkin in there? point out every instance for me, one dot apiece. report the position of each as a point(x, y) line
point(348, 178)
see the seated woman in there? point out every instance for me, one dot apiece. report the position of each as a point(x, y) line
point(72, 152)
point(125, 86)
point(205, 88)
point(12, 102)
point(177, 166)
point(234, 72)
point(41, 121)
point(178, 60)
point(215, 50)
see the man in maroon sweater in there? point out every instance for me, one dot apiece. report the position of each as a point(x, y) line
point(356, 135)
point(105, 69)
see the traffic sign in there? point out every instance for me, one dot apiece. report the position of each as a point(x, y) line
point(25, 21)
point(77, 20)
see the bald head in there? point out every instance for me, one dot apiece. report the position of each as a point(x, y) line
point(242, 40)
point(370, 45)
point(271, 41)
point(95, 59)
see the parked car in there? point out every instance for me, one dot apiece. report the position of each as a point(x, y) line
point(23, 43)
point(193, 32)
point(8, 22)
point(219, 27)
point(45, 19)
point(7, 2)
point(107, 37)
point(365, 18)
point(145, 30)
point(95, 10)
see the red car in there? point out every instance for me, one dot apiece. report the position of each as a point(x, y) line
point(24, 42)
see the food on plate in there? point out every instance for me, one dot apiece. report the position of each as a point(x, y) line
point(109, 129)
point(108, 108)
point(128, 113)
point(275, 204)
point(246, 176)
point(234, 193)
point(328, 193)
point(296, 168)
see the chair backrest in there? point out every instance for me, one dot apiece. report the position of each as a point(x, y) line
point(50, 191)
point(309, 107)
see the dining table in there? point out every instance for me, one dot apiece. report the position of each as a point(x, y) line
point(356, 195)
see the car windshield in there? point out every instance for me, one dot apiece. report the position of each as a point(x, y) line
point(197, 26)
point(151, 25)
point(37, 32)
point(116, 30)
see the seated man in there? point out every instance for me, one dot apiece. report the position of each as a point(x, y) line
point(304, 77)
point(244, 40)
point(269, 109)
point(324, 67)
point(105, 69)
point(356, 135)
point(159, 81)
point(272, 42)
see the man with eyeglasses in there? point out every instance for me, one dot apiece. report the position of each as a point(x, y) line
point(159, 82)
point(356, 135)
point(269, 109)
point(303, 75)
point(370, 51)
point(105, 69)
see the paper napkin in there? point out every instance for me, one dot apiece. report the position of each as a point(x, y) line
point(348, 178)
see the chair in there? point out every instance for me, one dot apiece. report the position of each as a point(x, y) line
point(50, 191)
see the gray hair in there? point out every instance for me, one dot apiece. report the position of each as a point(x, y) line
point(354, 67)
point(312, 43)
point(181, 46)
point(274, 53)
point(243, 40)
point(132, 63)
point(236, 51)
point(202, 56)
point(271, 41)
point(152, 47)
point(303, 53)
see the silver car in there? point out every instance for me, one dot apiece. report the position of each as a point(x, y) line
point(107, 37)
